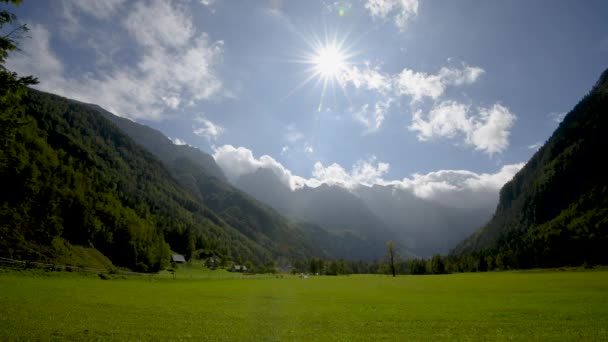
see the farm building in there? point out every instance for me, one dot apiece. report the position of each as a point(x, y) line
point(178, 258)
point(238, 268)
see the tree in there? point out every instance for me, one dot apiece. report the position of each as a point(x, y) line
point(437, 264)
point(12, 87)
point(391, 256)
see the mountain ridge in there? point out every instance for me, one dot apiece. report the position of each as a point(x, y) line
point(557, 201)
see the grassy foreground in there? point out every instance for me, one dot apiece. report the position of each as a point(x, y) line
point(476, 306)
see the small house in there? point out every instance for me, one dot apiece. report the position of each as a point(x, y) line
point(178, 258)
point(238, 268)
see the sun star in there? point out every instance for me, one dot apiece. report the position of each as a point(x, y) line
point(329, 62)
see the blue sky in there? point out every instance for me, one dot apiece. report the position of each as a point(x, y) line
point(430, 95)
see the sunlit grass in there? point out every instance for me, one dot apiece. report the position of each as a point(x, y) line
point(495, 306)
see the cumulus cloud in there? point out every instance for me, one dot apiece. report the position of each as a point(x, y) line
point(420, 84)
point(460, 188)
point(444, 120)
point(491, 129)
point(368, 79)
point(487, 130)
point(453, 188)
point(400, 11)
point(364, 172)
point(238, 161)
point(207, 129)
point(175, 66)
point(416, 85)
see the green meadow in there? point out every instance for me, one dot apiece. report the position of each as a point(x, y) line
point(219, 306)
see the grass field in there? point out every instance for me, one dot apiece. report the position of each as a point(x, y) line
point(567, 306)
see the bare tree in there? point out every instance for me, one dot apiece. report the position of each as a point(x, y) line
point(391, 256)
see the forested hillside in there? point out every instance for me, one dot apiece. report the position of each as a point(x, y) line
point(554, 212)
point(197, 172)
point(68, 173)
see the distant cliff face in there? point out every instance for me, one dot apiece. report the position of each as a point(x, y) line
point(555, 210)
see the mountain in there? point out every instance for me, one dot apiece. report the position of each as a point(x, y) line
point(159, 145)
point(330, 208)
point(197, 172)
point(374, 214)
point(69, 175)
point(554, 211)
point(424, 226)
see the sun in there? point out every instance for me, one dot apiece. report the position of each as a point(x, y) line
point(329, 62)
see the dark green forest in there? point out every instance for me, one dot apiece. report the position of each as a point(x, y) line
point(554, 212)
point(70, 174)
point(198, 173)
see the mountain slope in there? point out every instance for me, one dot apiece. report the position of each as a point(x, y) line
point(358, 232)
point(198, 172)
point(371, 214)
point(555, 210)
point(68, 173)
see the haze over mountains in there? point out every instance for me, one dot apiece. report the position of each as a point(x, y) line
point(357, 222)
point(385, 212)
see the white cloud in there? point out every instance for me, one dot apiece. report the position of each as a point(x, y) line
point(308, 148)
point(101, 9)
point(491, 129)
point(453, 188)
point(284, 150)
point(368, 78)
point(178, 141)
point(364, 172)
point(460, 188)
point(419, 84)
point(293, 135)
point(36, 57)
point(159, 24)
point(487, 131)
point(208, 2)
point(207, 129)
point(535, 146)
point(557, 117)
point(238, 161)
point(372, 118)
point(416, 85)
point(174, 68)
point(401, 11)
point(444, 120)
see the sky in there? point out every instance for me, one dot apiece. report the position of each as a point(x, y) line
point(442, 97)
